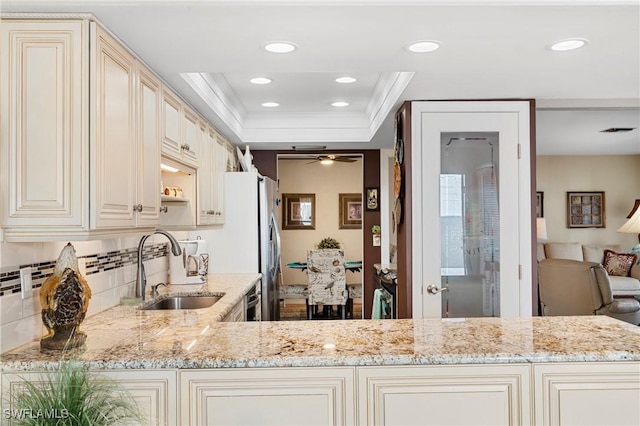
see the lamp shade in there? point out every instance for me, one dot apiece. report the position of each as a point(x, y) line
point(633, 224)
point(541, 229)
point(634, 209)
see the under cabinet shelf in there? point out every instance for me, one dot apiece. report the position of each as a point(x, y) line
point(173, 200)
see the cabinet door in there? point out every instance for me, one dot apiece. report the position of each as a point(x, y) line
point(155, 391)
point(219, 171)
point(587, 394)
point(171, 125)
point(149, 142)
point(444, 395)
point(113, 141)
point(190, 137)
point(43, 124)
point(268, 396)
point(205, 178)
point(237, 314)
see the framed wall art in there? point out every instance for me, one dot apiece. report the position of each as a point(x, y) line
point(585, 210)
point(350, 206)
point(539, 204)
point(372, 198)
point(298, 211)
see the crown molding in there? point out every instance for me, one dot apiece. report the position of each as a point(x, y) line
point(272, 126)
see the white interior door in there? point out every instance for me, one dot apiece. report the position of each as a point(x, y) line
point(471, 209)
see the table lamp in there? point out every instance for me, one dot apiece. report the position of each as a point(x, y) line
point(541, 229)
point(633, 225)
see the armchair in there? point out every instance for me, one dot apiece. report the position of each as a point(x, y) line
point(571, 287)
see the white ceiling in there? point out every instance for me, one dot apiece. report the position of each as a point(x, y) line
point(490, 49)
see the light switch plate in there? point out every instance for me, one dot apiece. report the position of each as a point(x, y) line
point(25, 283)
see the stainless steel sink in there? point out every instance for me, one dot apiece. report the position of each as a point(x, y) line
point(183, 302)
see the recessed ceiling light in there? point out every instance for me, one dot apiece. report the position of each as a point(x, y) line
point(260, 80)
point(270, 104)
point(569, 44)
point(340, 104)
point(423, 46)
point(345, 80)
point(280, 47)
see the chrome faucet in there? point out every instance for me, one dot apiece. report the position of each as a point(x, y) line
point(141, 278)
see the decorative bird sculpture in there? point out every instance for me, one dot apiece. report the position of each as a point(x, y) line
point(64, 297)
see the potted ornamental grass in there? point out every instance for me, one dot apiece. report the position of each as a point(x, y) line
point(71, 395)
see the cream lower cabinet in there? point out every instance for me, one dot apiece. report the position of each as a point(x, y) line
point(587, 394)
point(155, 392)
point(268, 396)
point(444, 395)
point(237, 314)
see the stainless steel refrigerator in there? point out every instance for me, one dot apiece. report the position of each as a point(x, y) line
point(249, 240)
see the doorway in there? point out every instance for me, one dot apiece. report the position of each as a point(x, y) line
point(328, 184)
point(471, 209)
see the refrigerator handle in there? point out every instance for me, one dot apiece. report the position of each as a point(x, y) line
point(275, 265)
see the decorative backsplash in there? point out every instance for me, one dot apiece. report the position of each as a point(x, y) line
point(95, 263)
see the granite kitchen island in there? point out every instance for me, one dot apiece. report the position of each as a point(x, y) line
point(191, 368)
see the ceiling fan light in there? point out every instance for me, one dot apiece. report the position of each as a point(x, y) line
point(326, 161)
point(260, 80)
point(280, 47)
point(568, 44)
point(423, 46)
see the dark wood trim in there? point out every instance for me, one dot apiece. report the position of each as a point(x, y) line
point(266, 161)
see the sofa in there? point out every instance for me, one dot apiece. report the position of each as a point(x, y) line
point(572, 287)
point(621, 286)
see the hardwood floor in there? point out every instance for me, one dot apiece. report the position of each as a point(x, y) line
point(298, 311)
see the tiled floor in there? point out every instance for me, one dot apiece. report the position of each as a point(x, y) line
point(298, 311)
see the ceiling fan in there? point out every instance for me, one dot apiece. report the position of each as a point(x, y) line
point(330, 158)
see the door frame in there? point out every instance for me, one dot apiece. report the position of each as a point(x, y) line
point(522, 109)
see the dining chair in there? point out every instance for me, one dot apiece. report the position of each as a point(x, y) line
point(327, 282)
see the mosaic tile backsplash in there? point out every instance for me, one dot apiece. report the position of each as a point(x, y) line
point(10, 275)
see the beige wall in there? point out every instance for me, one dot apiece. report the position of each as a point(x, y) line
point(326, 182)
point(617, 176)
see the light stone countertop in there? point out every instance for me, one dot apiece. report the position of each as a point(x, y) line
point(125, 337)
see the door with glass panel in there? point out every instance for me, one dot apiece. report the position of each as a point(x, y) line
point(471, 209)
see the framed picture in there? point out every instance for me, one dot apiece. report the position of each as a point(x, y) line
point(298, 211)
point(372, 199)
point(350, 211)
point(539, 204)
point(585, 210)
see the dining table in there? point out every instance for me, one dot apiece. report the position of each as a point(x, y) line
point(349, 265)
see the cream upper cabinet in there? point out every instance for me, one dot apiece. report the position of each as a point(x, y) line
point(180, 138)
point(80, 133)
point(220, 168)
point(210, 208)
point(44, 92)
point(171, 125)
point(191, 136)
point(113, 137)
point(149, 119)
